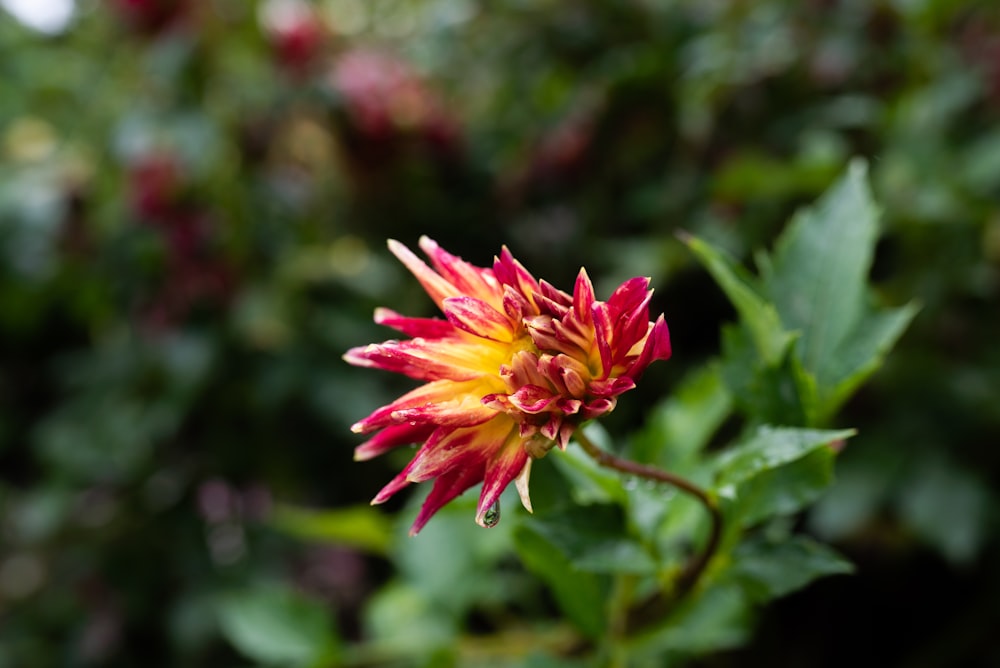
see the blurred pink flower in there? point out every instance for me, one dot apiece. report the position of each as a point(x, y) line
point(513, 370)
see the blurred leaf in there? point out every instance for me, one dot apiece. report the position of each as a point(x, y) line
point(589, 482)
point(276, 626)
point(400, 620)
point(760, 317)
point(593, 538)
point(580, 594)
point(947, 506)
point(358, 526)
point(454, 579)
point(682, 424)
point(717, 618)
point(817, 279)
point(770, 569)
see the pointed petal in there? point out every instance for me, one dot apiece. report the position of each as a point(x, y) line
point(506, 464)
point(511, 272)
point(432, 359)
point(602, 332)
point(467, 278)
point(450, 449)
point(392, 437)
point(437, 287)
point(657, 347)
point(447, 487)
point(478, 318)
point(433, 328)
point(521, 482)
point(583, 296)
point(439, 402)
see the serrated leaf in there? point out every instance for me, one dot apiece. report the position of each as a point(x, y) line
point(767, 570)
point(758, 315)
point(579, 594)
point(358, 526)
point(276, 626)
point(769, 448)
point(593, 538)
point(820, 265)
point(862, 352)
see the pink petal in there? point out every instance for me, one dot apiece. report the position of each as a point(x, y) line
point(477, 317)
point(447, 487)
point(433, 328)
point(426, 359)
point(532, 398)
point(449, 449)
point(392, 437)
point(467, 278)
point(437, 287)
point(657, 347)
point(436, 399)
point(511, 272)
point(583, 296)
point(603, 327)
point(506, 465)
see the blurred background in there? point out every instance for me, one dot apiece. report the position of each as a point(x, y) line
point(194, 202)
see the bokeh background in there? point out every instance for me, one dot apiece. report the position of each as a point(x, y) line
point(194, 202)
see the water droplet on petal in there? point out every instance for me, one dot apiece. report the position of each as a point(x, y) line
point(492, 516)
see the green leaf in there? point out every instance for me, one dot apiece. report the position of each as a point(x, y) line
point(756, 313)
point(682, 425)
point(769, 448)
point(593, 538)
point(769, 569)
point(820, 265)
point(786, 489)
point(579, 594)
point(276, 626)
point(362, 527)
point(862, 352)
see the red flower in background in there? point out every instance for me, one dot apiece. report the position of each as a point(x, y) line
point(513, 370)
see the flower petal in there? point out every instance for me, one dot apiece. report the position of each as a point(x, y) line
point(440, 402)
point(467, 278)
point(477, 317)
point(426, 327)
point(505, 465)
point(437, 287)
point(431, 359)
point(392, 437)
point(448, 485)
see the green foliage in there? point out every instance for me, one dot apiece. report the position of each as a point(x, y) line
point(192, 229)
point(812, 291)
point(277, 627)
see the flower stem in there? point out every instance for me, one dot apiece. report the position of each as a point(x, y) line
point(696, 566)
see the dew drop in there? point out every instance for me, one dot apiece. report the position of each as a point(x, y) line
point(492, 516)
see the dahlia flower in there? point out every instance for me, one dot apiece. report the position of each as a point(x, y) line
point(514, 368)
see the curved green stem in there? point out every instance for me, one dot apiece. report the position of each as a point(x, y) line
point(696, 566)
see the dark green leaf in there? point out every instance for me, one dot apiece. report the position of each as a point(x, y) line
point(769, 448)
point(756, 313)
point(771, 569)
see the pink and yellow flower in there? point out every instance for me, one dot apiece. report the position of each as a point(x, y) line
point(514, 368)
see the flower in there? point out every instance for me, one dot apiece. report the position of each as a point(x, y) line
point(513, 370)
